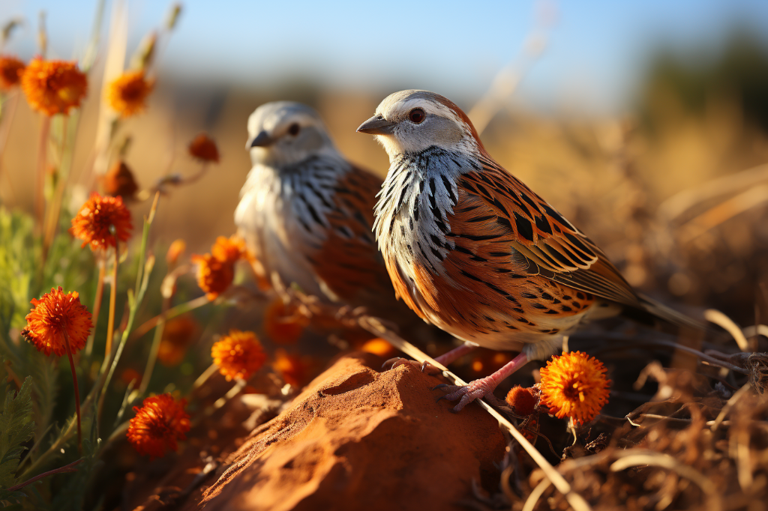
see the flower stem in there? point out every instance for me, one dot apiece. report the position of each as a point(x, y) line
point(112, 300)
point(42, 148)
point(170, 313)
point(60, 470)
point(154, 349)
point(97, 306)
point(212, 369)
point(77, 393)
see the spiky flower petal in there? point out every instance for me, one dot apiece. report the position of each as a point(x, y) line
point(101, 222)
point(228, 249)
point(158, 425)
point(56, 318)
point(574, 385)
point(11, 70)
point(127, 94)
point(53, 86)
point(239, 355)
point(204, 149)
point(214, 276)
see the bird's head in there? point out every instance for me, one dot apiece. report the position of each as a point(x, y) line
point(411, 121)
point(283, 133)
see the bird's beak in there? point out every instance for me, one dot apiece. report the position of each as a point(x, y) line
point(377, 125)
point(261, 140)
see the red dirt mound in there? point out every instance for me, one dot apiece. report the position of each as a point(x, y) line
point(357, 438)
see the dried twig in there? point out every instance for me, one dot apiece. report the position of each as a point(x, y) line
point(720, 319)
point(636, 457)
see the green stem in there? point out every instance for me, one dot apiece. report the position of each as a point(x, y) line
point(153, 351)
point(169, 314)
point(96, 306)
point(77, 393)
point(112, 303)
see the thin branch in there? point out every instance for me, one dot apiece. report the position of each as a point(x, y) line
point(60, 470)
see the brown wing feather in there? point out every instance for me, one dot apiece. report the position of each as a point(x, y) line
point(349, 261)
point(550, 245)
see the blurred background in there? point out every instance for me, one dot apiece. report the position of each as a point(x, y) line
point(645, 122)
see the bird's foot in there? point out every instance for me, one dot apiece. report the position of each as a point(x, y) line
point(424, 367)
point(465, 394)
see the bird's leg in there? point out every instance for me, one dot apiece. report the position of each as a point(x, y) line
point(445, 359)
point(481, 387)
point(455, 354)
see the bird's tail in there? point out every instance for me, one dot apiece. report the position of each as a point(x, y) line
point(656, 313)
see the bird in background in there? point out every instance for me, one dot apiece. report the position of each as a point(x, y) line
point(473, 250)
point(306, 213)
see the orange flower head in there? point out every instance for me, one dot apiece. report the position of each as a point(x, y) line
point(574, 385)
point(293, 369)
point(119, 181)
point(204, 149)
point(175, 251)
point(284, 323)
point(213, 275)
point(53, 86)
point(228, 249)
point(177, 336)
point(522, 400)
point(11, 70)
point(239, 355)
point(127, 94)
point(101, 222)
point(58, 319)
point(158, 425)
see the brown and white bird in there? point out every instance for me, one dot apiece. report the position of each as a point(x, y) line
point(476, 252)
point(306, 213)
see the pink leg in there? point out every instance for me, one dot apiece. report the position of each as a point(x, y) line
point(483, 386)
point(445, 359)
point(455, 354)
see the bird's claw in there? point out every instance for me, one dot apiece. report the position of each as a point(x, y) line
point(424, 367)
point(464, 393)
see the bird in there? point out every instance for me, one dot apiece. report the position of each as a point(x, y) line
point(306, 214)
point(473, 250)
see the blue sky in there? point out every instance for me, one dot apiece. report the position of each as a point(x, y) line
point(596, 49)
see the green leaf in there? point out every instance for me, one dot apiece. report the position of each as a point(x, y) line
point(16, 428)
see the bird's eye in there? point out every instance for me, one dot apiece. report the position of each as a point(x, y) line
point(417, 116)
point(293, 129)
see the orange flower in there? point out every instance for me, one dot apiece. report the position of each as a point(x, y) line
point(119, 181)
point(204, 149)
point(574, 386)
point(177, 336)
point(53, 86)
point(100, 221)
point(158, 425)
point(228, 249)
point(292, 369)
point(238, 355)
point(283, 323)
point(213, 275)
point(522, 400)
point(175, 251)
point(127, 94)
point(11, 70)
point(57, 318)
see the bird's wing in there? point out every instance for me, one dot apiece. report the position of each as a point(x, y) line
point(542, 239)
point(348, 261)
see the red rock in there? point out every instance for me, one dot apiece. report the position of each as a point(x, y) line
point(357, 438)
